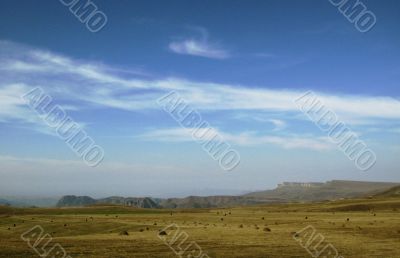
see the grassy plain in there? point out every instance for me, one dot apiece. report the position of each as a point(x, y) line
point(356, 228)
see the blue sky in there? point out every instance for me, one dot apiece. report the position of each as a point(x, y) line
point(239, 63)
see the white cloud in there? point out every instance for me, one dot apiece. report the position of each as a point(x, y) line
point(198, 48)
point(279, 124)
point(88, 84)
point(263, 118)
point(241, 139)
point(13, 108)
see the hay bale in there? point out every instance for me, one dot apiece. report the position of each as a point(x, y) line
point(266, 229)
point(162, 233)
point(124, 233)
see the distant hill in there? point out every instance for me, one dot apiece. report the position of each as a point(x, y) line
point(285, 192)
point(4, 202)
point(205, 202)
point(8, 202)
point(392, 192)
point(144, 202)
point(331, 190)
point(78, 201)
point(75, 201)
point(29, 201)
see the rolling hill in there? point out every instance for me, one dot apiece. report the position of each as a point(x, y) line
point(285, 192)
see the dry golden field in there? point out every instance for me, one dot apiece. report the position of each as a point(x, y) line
point(355, 228)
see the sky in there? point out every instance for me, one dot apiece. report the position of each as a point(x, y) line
point(240, 64)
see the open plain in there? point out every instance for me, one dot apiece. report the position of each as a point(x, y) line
point(355, 228)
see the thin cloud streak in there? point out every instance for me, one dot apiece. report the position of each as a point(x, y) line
point(198, 48)
point(241, 139)
point(94, 85)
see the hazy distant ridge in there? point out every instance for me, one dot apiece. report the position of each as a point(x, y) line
point(76, 201)
point(285, 192)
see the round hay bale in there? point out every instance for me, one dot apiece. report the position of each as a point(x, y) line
point(162, 233)
point(124, 233)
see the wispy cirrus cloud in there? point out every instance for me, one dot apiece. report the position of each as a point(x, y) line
point(92, 85)
point(198, 48)
point(96, 84)
point(279, 124)
point(241, 139)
